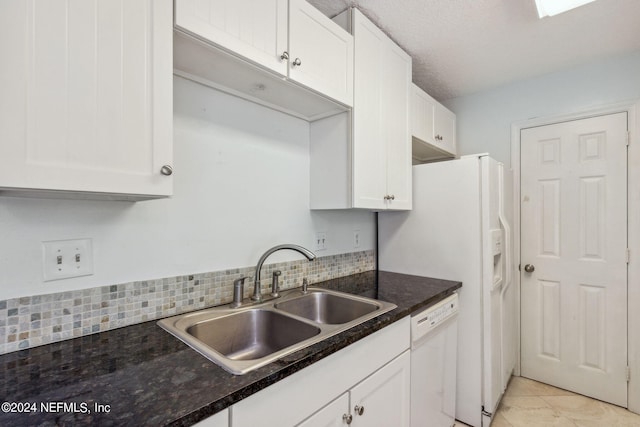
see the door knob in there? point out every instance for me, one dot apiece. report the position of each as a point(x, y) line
point(359, 409)
point(347, 418)
point(529, 268)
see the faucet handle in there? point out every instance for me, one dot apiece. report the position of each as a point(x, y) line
point(240, 281)
point(275, 288)
point(238, 291)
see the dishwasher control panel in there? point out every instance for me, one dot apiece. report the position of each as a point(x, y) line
point(429, 319)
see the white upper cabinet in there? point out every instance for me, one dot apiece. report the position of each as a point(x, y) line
point(381, 147)
point(256, 30)
point(363, 159)
point(422, 110)
point(432, 127)
point(444, 124)
point(252, 44)
point(320, 52)
point(86, 105)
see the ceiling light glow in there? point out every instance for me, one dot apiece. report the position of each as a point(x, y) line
point(554, 7)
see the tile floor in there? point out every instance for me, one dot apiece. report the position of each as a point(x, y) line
point(530, 403)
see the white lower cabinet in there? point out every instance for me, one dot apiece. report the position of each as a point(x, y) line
point(383, 398)
point(372, 373)
point(380, 400)
point(335, 414)
point(221, 419)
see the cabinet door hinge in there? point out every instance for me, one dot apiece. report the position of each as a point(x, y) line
point(628, 374)
point(628, 255)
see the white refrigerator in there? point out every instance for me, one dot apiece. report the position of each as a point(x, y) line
point(459, 230)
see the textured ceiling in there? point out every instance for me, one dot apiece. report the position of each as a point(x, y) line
point(465, 46)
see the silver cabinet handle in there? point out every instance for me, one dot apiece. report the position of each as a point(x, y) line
point(284, 56)
point(166, 170)
point(392, 197)
point(439, 138)
point(529, 268)
point(347, 418)
point(296, 62)
point(359, 409)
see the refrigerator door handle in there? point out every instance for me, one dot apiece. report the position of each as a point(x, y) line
point(507, 229)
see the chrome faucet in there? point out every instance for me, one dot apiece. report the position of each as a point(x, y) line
point(257, 294)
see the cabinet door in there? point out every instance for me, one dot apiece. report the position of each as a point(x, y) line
point(384, 397)
point(254, 29)
point(432, 127)
point(310, 389)
point(445, 128)
point(321, 52)
point(331, 415)
point(86, 99)
point(422, 106)
point(368, 149)
point(221, 419)
point(395, 84)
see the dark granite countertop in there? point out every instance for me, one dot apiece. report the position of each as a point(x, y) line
point(142, 375)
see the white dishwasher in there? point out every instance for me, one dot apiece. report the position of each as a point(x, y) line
point(434, 343)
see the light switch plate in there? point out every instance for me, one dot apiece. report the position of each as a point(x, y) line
point(63, 259)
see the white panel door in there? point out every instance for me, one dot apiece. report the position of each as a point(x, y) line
point(321, 52)
point(86, 100)
point(574, 234)
point(382, 400)
point(254, 29)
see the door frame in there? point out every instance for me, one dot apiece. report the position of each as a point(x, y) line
point(632, 108)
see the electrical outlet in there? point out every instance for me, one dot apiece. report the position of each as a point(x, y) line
point(356, 238)
point(63, 259)
point(321, 241)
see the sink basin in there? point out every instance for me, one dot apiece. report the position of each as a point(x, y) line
point(328, 308)
point(246, 338)
point(251, 334)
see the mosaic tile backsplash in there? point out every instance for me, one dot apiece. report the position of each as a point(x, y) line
point(42, 319)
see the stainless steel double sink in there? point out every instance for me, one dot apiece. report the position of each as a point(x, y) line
point(246, 338)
